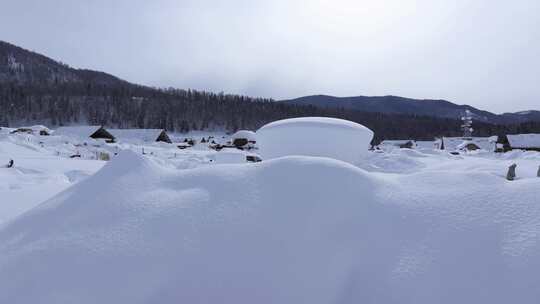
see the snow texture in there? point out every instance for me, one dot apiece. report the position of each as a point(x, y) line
point(35, 177)
point(289, 230)
point(315, 136)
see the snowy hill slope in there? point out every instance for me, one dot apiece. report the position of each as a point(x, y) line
point(21, 66)
point(290, 230)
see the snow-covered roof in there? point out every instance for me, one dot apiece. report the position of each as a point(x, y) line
point(77, 131)
point(323, 122)
point(249, 135)
point(484, 143)
point(524, 140)
point(146, 135)
point(315, 136)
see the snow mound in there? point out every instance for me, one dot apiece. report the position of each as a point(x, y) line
point(397, 161)
point(315, 136)
point(288, 230)
point(228, 157)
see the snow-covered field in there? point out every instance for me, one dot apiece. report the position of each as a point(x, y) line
point(44, 167)
point(199, 226)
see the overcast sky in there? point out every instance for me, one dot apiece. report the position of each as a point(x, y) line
point(484, 53)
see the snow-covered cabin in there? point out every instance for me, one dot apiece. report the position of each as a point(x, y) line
point(141, 135)
point(84, 132)
point(397, 144)
point(529, 142)
point(244, 139)
point(470, 143)
point(36, 130)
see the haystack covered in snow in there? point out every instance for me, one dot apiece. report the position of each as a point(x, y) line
point(315, 136)
point(529, 142)
point(243, 139)
point(84, 132)
point(141, 135)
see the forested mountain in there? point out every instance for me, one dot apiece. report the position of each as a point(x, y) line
point(409, 106)
point(36, 89)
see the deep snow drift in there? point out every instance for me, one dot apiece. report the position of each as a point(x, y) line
point(315, 136)
point(36, 176)
point(289, 230)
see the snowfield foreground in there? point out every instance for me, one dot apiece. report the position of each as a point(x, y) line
point(402, 227)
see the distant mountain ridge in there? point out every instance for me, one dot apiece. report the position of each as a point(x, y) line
point(23, 67)
point(408, 106)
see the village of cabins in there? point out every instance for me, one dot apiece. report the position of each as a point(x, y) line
point(468, 142)
point(102, 141)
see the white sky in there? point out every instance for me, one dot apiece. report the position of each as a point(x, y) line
point(483, 53)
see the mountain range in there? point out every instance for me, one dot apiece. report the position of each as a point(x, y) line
point(409, 106)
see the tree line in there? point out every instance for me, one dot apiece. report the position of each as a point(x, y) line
point(124, 105)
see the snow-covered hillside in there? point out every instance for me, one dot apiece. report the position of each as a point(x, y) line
point(409, 226)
